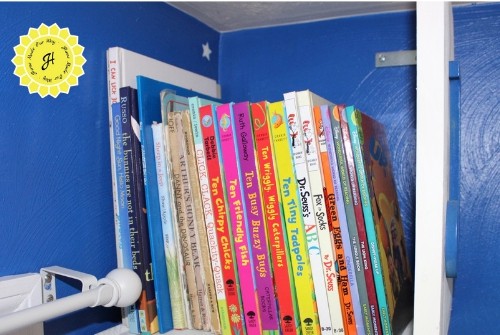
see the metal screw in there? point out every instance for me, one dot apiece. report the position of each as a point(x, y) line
point(48, 277)
point(50, 298)
point(381, 58)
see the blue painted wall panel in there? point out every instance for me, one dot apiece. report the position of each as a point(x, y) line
point(55, 178)
point(476, 293)
point(335, 59)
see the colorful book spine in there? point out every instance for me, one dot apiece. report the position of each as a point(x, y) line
point(215, 283)
point(360, 221)
point(122, 235)
point(364, 194)
point(165, 191)
point(296, 236)
point(249, 180)
point(139, 236)
point(347, 283)
point(328, 256)
point(224, 234)
point(284, 286)
point(202, 266)
point(324, 134)
point(301, 169)
point(351, 220)
point(242, 247)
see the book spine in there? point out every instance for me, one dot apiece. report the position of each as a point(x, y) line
point(216, 293)
point(123, 251)
point(165, 190)
point(324, 134)
point(327, 254)
point(242, 247)
point(249, 180)
point(212, 151)
point(364, 194)
point(301, 169)
point(200, 234)
point(351, 221)
point(196, 281)
point(296, 236)
point(284, 286)
point(139, 236)
point(358, 212)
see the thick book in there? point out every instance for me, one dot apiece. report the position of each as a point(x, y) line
point(284, 287)
point(382, 219)
point(305, 103)
point(348, 286)
point(139, 235)
point(165, 192)
point(214, 280)
point(148, 91)
point(296, 236)
point(223, 228)
point(351, 219)
point(293, 118)
point(249, 179)
point(240, 227)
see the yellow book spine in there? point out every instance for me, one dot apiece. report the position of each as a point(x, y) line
point(301, 269)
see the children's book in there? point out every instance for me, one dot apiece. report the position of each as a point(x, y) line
point(306, 201)
point(382, 219)
point(351, 219)
point(305, 102)
point(282, 141)
point(239, 224)
point(347, 278)
point(284, 286)
point(168, 220)
point(249, 179)
point(223, 227)
point(215, 282)
point(148, 91)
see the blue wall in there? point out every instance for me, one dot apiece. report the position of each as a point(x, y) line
point(55, 178)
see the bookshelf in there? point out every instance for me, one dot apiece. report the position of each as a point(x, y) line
point(56, 191)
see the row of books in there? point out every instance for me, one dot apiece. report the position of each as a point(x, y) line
point(256, 217)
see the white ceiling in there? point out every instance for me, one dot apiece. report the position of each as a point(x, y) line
point(229, 16)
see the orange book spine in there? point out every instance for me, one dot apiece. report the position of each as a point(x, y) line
point(229, 273)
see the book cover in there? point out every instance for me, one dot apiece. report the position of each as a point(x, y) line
point(284, 286)
point(165, 192)
point(240, 227)
point(361, 224)
point(351, 219)
point(382, 219)
point(305, 102)
point(223, 228)
point(296, 237)
point(200, 234)
point(348, 287)
point(138, 225)
point(309, 220)
point(215, 282)
point(253, 212)
point(148, 92)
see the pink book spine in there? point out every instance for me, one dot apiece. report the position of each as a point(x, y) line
point(255, 215)
point(236, 210)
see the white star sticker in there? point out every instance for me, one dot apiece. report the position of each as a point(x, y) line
point(206, 51)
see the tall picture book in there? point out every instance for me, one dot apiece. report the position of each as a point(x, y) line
point(223, 228)
point(240, 227)
point(340, 225)
point(138, 225)
point(284, 286)
point(382, 217)
point(354, 242)
point(244, 143)
point(215, 288)
point(296, 236)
